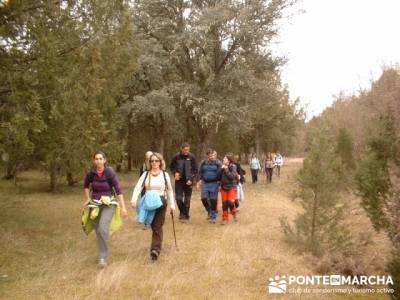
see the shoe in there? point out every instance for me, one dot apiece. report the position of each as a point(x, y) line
point(146, 227)
point(212, 221)
point(224, 222)
point(184, 221)
point(154, 254)
point(102, 263)
point(235, 218)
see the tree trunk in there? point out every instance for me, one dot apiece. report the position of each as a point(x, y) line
point(70, 179)
point(313, 223)
point(257, 142)
point(10, 172)
point(53, 177)
point(129, 166)
point(205, 137)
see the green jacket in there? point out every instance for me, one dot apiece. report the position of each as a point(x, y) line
point(90, 213)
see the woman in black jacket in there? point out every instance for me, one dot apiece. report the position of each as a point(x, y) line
point(228, 178)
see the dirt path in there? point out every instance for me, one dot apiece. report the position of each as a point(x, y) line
point(213, 261)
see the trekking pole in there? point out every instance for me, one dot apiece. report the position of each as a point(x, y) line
point(173, 227)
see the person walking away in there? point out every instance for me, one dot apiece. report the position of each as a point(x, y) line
point(99, 186)
point(184, 168)
point(208, 175)
point(156, 180)
point(269, 167)
point(228, 177)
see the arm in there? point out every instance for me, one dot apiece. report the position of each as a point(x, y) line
point(172, 166)
point(120, 195)
point(87, 197)
point(86, 190)
point(194, 168)
point(231, 172)
point(170, 193)
point(137, 190)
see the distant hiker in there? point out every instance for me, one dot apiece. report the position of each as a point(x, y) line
point(145, 167)
point(228, 177)
point(155, 181)
point(184, 168)
point(278, 163)
point(208, 174)
point(99, 186)
point(254, 167)
point(269, 167)
point(241, 180)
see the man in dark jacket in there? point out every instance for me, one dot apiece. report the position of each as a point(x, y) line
point(184, 168)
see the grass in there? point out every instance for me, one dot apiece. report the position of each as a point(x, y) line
point(45, 255)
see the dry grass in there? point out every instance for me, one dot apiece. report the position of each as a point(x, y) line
point(45, 255)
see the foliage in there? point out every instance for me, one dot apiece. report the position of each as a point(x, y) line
point(318, 228)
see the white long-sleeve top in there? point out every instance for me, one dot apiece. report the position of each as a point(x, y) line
point(155, 183)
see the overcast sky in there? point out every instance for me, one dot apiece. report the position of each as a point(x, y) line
point(337, 45)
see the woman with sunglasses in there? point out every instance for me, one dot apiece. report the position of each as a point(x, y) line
point(156, 179)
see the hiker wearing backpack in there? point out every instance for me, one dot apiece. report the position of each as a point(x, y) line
point(208, 174)
point(228, 177)
point(184, 168)
point(156, 181)
point(99, 186)
point(269, 167)
point(255, 167)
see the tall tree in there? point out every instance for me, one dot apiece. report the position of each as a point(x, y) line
point(208, 43)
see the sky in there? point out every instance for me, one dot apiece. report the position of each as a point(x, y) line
point(335, 46)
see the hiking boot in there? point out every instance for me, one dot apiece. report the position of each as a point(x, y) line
point(154, 254)
point(102, 263)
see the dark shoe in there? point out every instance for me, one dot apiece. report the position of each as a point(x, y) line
point(154, 254)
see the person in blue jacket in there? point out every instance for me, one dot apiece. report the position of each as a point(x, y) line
point(208, 171)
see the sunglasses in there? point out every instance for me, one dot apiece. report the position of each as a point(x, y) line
point(154, 160)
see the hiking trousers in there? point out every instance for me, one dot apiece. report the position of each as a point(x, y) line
point(183, 194)
point(254, 175)
point(157, 226)
point(102, 226)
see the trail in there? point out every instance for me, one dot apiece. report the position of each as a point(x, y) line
point(234, 261)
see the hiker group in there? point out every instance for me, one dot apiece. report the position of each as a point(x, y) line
point(150, 194)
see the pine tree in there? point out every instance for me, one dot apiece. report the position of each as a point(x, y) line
point(373, 174)
point(318, 228)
